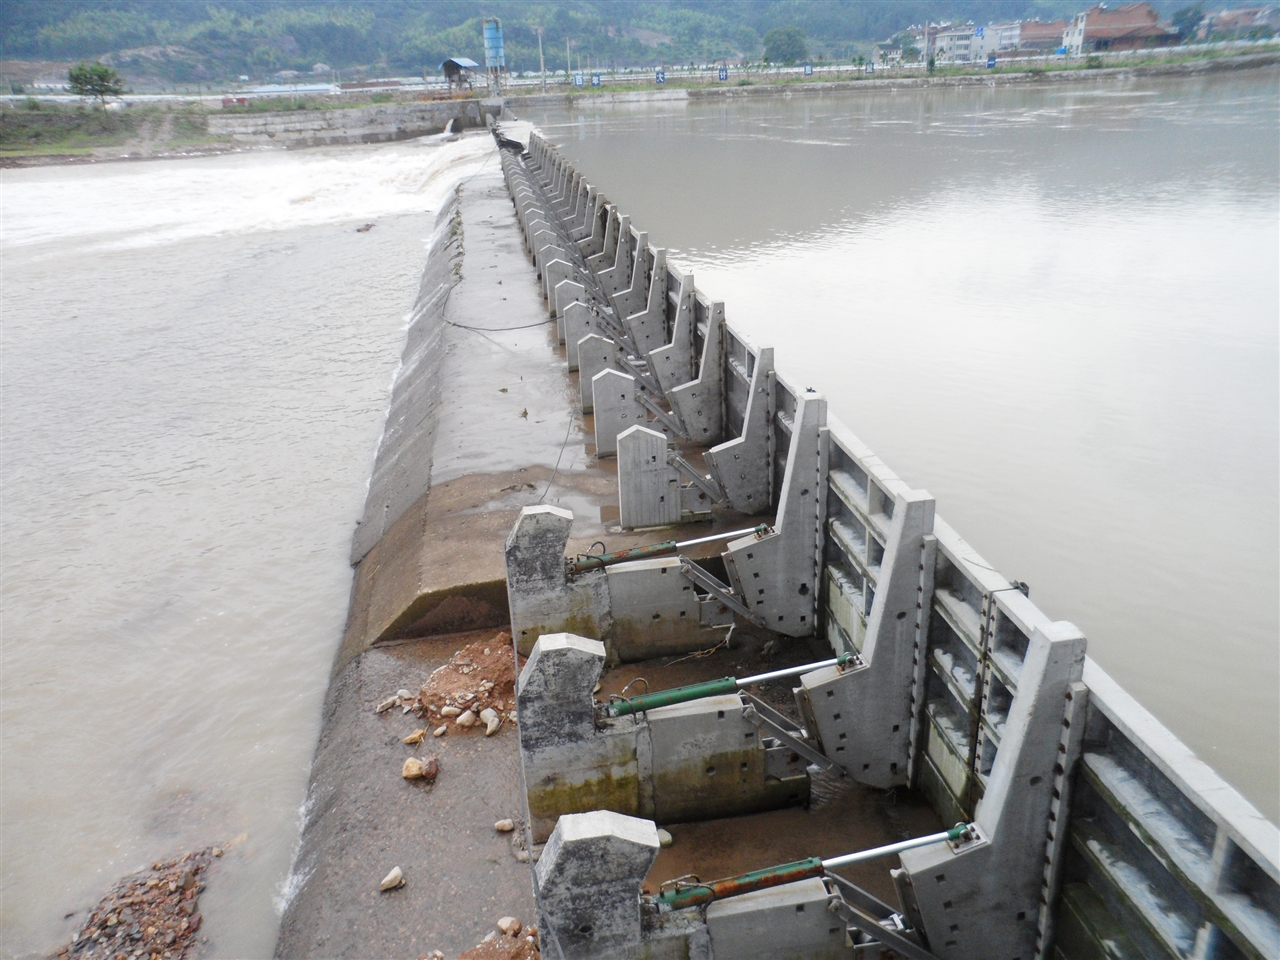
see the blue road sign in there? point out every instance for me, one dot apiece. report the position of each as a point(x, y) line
point(724, 73)
point(871, 68)
point(660, 76)
point(991, 61)
point(595, 79)
point(808, 69)
point(578, 80)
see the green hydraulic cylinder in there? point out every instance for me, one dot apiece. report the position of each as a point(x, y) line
point(711, 688)
point(694, 893)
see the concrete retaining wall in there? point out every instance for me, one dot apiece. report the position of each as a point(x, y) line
point(372, 124)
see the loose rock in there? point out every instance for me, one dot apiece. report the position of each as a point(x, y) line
point(415, 737)
point(664, 838)
point(466, 719)
point(450, 711)
point(386, 705)
point(441, 730)
point(153, 915)
point(392, 880)
point(505, 826)
point(491, 719)
point(510, 926)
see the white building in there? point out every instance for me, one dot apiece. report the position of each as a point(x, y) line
point(994, 38)
point(953, 44)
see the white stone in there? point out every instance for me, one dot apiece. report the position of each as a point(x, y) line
point(392, 880)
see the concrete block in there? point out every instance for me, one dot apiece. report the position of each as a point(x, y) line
point(700, 402)
point(554, 273)
point(617, 276)
point(786, 921)
point(596, 353)
point(609, 247)
point(708, 762)
point(741, 466)
point(673, 362)
point(541, 597)
point(654, 611)
point(569, 765)
point(566, 292)
point(777, 574)
point(634, 298)
point(648, 486)
point(589, 878)
point(647, 323)
point(579, 321)
point(616, 405)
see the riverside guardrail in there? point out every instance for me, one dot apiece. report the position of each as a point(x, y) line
point(1146, 852)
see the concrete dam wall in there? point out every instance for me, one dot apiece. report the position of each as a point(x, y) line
point(1102, 834)
point(568, 396)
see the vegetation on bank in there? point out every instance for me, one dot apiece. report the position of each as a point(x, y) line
point(36, 128)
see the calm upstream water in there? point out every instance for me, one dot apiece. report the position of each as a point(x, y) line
point(1055, 308)
point(196, 363)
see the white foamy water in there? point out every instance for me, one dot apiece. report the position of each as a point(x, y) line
point(183, 200)
point(196, 359)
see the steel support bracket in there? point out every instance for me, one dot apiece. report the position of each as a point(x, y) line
point(862, 914)
point(772, 723)
point(717, 589)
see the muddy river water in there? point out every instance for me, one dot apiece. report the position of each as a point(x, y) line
point(1054, 308)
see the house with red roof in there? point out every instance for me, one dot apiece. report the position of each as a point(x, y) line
point(1133, 26)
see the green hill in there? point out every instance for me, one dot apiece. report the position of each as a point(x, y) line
point(173, 40)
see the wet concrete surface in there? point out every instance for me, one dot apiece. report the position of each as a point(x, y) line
point(364, 818)
point(506, 436)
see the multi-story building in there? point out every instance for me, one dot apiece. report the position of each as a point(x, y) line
point(953, 44)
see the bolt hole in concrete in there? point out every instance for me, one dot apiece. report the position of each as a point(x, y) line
point(1127, 367)
point(196, 375)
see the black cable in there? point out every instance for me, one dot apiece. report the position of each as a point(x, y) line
point(556, 471)
point(525, 326)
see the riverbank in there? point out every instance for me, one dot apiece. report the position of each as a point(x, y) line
point(38, 133)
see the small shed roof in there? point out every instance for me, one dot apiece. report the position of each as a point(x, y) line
point(461, 62)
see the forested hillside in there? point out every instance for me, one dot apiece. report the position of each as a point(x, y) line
point(184, 40)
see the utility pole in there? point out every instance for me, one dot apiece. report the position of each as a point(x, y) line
point(542, 64)
point(568, 58)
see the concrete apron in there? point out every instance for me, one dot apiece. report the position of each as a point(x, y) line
point(477, 423)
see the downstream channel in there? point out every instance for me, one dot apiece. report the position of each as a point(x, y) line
point(197, 358)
